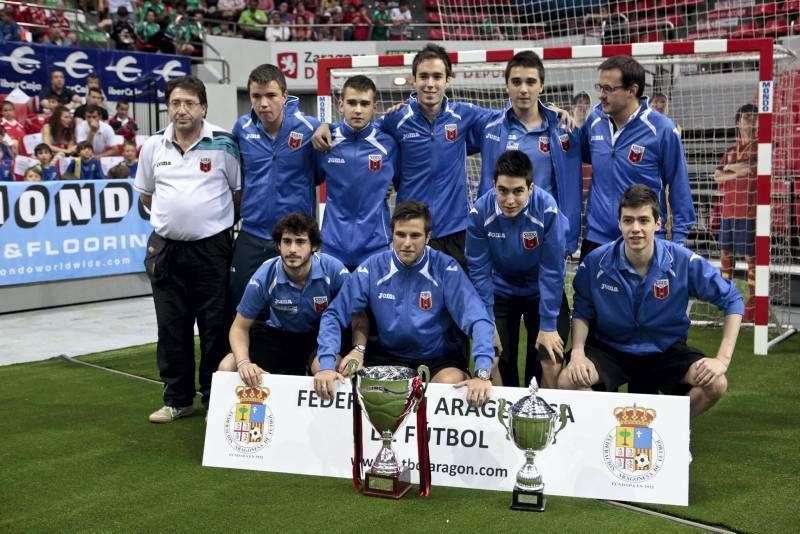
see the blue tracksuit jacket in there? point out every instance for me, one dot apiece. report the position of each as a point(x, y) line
point(417, 309)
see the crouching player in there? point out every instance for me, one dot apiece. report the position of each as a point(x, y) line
point(634, 292)
point(293, 289)
point(515, 252)
point(419, 298)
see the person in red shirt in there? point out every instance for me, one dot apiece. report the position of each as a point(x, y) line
point(14, 129)
point(122, 123)
point(736, 176)
point(35, 123)
point(361, 24)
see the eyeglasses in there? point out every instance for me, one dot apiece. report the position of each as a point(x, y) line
point(189, 105)
point(606, 89)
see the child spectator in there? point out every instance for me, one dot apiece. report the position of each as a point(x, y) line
point(48, 168)
point(14, 129)
point(35, 123)
point(119, 171)
point(122, 123)
point(33, 175)
point(85, 166)
point(59, 132)
point(131, 157)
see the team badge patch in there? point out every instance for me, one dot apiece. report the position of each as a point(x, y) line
point(564, 139)
point(375, 162)
point(636, 153)
point(295, 140)
point(530, 240)
point(661, 288)
point(320, 303)
point(451, 132)
point(544, 144)
point(205, 164)
point(425, 300)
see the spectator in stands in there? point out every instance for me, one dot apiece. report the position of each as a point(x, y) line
point(252, 21)
point(59, 132)
point(157, 7)
point(302, 30)
point(34, 123)
point(119, 171)
point(85, 166)
point(122, 31)
point(230, 9)
point(267, 6)
point(186, 34)
point(96, 132)
point(94, 97)
point(14, 129)
point(323, 31)
point(33, 174)
point(196, 6)
point(151, 35)
point(302, 14)
point(7, 150)
point(277, 29)
point(55, 36)
point(581, 104)
point(130, 157)
point(660, 103)
point(633, 294)
point(122, 123)
point(337, 32)
point(381, 20)
point(6, 163)
point(401, 22)
point(223, 29)
point(64, 95)
point(47, 165)
point(285, 14)
point(361, 24)
point(736, 176)
point(9, 30)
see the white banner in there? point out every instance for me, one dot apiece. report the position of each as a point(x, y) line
point(614, 446)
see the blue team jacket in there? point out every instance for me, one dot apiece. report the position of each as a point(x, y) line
point(290, 307)
point(279, 175)
point(358, 171)
point(523, 256)
point(86, 170)
point(433, 159)
point(648, 151)
point(603, 298)
point(417, 309)
point(566, 159)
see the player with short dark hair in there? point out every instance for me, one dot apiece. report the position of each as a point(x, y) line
point(515, 253)
point(421, 302)
point(633, 293)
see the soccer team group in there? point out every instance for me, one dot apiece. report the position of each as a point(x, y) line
point(416, 285)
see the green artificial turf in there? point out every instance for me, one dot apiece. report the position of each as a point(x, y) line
point(79, 455)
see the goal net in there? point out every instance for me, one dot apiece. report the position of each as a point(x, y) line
point(705, 83)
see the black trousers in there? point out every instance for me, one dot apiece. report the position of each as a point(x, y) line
point(507, 313)
point(193, 287)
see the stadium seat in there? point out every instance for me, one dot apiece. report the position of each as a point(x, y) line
point(432, 5)
point(436, 34)
point(792, 7)
point(433, 17)
point(747, 30)
point(776, 28)
point(766, 9)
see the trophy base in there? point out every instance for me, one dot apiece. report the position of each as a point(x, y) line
point(528, 501)
point(388, 486)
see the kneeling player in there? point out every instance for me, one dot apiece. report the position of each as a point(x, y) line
point(294, 289)
point(419, 299)
point(634, 293)
point(515, 253)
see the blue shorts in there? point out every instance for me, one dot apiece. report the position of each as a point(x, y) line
point(738, 236)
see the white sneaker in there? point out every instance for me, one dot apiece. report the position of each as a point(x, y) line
point(167, 414)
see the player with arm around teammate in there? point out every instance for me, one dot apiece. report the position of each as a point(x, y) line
point(634, 292)
point(515, 253)
point(419, 299)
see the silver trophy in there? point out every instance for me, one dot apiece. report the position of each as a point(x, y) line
point(532, 425)
point(388, 394)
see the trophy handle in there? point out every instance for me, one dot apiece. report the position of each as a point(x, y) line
point(563, 417)
point(426, 377)
point(501, 411)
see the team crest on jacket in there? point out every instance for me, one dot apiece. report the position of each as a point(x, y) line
point(425, 300)
point(375, 162)
point(544, 144)
point(661, 288)
point(295, 140)
point(564, 139)
point(320, 303)
point(451, 132)
point(530, 240)
point(205, 164)
point(636, 153)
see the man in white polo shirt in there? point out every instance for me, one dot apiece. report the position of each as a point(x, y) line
point(97, 132)
point(189, 178)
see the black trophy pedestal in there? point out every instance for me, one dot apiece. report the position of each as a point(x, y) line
point(388, 486)
point(528, 501)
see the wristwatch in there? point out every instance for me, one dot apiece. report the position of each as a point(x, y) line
point(359, 348)
point(483, 374)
